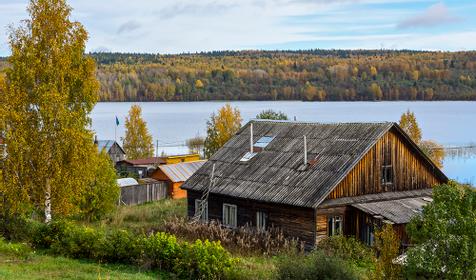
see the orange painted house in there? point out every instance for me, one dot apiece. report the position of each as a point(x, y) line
point(175, 174)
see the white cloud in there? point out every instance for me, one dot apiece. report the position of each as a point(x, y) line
point(437, 14)
point(205, 25)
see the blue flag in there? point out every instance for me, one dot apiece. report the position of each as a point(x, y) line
point(117, 121)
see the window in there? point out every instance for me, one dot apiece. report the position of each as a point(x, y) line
point(229, 215)
point(334, 225)
point(204, 215)
point(261, 220)
point(257, 147)
point(368, 234)
point(263, 142)
point(387, 175)
point(387, 170)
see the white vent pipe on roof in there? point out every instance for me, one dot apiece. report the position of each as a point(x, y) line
point(305, 150)
point(251, 137)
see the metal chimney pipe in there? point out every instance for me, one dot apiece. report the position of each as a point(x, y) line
point(305, 150)
point(251, 137)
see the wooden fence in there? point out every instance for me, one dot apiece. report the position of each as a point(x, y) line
point(138, 194)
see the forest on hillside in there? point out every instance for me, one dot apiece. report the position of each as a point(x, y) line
point(313, 75)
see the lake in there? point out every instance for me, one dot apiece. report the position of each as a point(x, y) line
point(171, 123)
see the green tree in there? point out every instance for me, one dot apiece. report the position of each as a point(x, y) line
point(51, 88)
point(444, 235)
point(102, 192)
point(220, 128)
point(272, 115)
point(387, 246)
point(138, 142)
point(409, 124)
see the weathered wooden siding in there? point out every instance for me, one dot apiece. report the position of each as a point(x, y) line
point(174, 191)
point(322, 218)
point(410, 171)
point(139, 194)
point(294, 221)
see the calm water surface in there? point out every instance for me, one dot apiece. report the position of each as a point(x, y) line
point(171, 123)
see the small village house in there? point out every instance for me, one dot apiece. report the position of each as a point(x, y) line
point(315, 180)
point(175, 175)
point(145, 166)
point(112, 148)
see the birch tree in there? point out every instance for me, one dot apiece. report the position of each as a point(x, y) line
point(50, 90)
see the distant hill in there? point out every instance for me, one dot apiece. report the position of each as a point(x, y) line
point(288, 75)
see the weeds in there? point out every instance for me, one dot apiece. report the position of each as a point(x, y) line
point(244, 240)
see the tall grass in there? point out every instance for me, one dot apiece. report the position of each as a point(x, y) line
point(244, 240)
point(146, 218)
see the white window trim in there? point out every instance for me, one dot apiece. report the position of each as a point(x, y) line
point(204, 216)
point(332, 230)
point(227, 224)
point(261, 225)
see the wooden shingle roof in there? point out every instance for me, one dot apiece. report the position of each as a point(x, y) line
point(276, 173)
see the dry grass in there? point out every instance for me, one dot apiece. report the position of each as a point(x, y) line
point(243, 240)
point(147, 217)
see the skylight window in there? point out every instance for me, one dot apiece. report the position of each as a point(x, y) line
point(248, 156)
point(263, 141)
point(257, 147)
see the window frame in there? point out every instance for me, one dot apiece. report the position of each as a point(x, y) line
point(387, 174)
point(261, 220)
point(204, 216)
point(332, 221)
point(225, 216)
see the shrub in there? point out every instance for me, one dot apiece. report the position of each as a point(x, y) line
point(161, 250)
point(80, 242)
point(122, 247)
point(16, 250)
point(349, 249)
point(203, 260)
point(45, 235)
point(317, 265)
point(200, 260)
point(15, 228)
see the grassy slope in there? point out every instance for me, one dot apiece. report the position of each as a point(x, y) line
point(145, 217)
point(47, 267)
point(140, 219)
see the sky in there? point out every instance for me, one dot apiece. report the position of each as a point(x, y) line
point(177, 26)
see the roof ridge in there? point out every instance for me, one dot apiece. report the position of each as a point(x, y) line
point(318, 123)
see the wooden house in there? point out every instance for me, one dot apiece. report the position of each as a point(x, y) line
point(112, 148)
point(175, 174)
point(314, 180)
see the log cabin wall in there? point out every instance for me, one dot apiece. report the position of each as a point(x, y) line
point(410, 170)
point(295, 222)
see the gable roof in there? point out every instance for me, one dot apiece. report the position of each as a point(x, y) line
point(180, 172)
point(107, 145)
point(277, 174)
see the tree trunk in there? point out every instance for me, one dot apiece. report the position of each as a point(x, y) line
point(48, 202)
